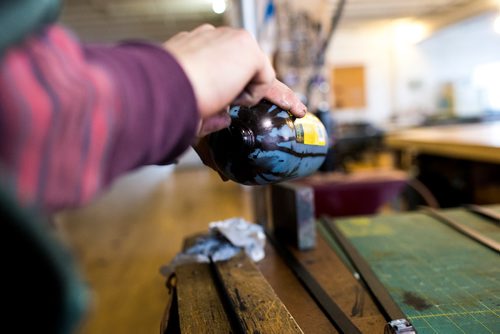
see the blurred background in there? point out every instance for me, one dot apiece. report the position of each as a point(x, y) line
point(389, 62)
point(371, 68)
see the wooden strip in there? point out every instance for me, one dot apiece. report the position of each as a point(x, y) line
point(338, 281)
point(200, 308)
point(258, 309)
point(331, 309)
point(303, 308)
point(484, 212)
point(465, 230)
point(388, 306)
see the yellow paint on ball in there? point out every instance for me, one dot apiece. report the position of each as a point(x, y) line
point(310, 130)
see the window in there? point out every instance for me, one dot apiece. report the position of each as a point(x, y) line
point(487, 79)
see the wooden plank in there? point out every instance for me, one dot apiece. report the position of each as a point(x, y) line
point(302, 307)
point(136, 227)
point(327, 305)
point(465, 141)
point(200, 308)
point(331, 273)
point(257, 307)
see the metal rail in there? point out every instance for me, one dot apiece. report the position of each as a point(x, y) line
point(387, 305)
point(484, 212)
point(465, 230)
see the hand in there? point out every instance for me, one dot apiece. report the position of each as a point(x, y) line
point(226, 66)
point(214, 123)
point(202, 148)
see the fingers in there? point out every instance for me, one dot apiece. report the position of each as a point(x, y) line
point(252, 94)
point(220, 63)
point(215, 123)
point(226, 65)
point(285, 98)
point(203, 27)
point(176, 37)
point(262, 79)
point(188, 34)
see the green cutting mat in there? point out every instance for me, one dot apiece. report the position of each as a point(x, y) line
point(443, 281)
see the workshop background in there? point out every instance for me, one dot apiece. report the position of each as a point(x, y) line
point(390, 66)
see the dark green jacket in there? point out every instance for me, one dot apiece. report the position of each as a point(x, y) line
point(20, 18)
point(41, 290)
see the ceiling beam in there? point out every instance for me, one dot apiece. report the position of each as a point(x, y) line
point(441, 20)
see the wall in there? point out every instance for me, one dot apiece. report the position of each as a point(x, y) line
point(454, 53)
point(367, 45)
point(404, 79)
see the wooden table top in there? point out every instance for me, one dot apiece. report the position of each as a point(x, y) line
point(479, 142)
point(339, 284)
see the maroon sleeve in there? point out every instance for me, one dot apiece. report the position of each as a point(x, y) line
point(74, 117)
point(158, 104)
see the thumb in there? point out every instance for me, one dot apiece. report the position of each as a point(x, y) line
point(214, 123)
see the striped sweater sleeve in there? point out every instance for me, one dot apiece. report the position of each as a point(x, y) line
point(73, 118)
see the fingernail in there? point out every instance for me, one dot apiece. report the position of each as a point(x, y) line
point(304, 110)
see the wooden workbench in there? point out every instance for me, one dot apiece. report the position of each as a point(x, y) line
point(123, 238)
point(438, 278)
point(477, 142)
point(324, 266)
point(458, 163)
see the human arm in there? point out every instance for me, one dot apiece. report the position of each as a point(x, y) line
point(226, 66)
point(247, 73)
point(73, 118)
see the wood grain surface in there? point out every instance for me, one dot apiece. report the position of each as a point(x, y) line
point(200, 308)
point(478, 142)
point(257, 307)
point(288, 288)
point(121, 240)
point(331, 273)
